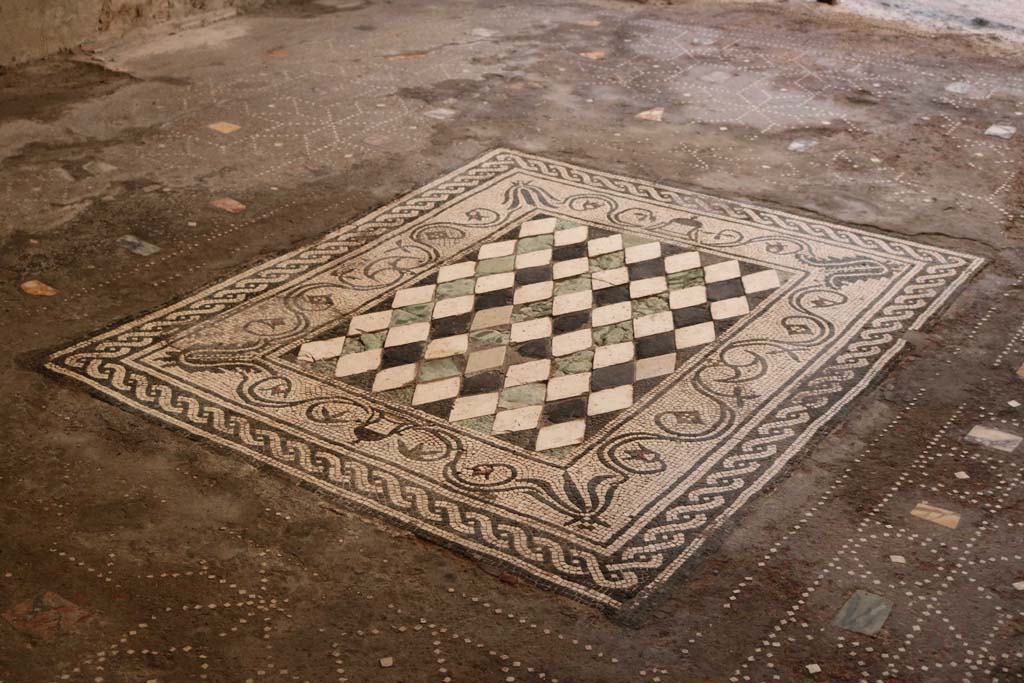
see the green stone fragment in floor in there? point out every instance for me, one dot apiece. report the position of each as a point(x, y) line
point(535, 243)
point(650, 305)
point(564, 224)
point(613, 334)
point(496, 265)
point(574, 363)
point(559, 453)
point(522, 395)
point(480, 339)
point(364, 342)
point(537, 309)
point(480, 424)
point(450, 290)
point(324, 367)
point(630, 240)
point(572, 284)
point(616, 259)
point(401, 395)
point(686, 278)
point(411, 314)
point(439, 369)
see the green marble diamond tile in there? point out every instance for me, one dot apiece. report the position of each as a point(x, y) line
point(496, 265)
point(450, 290)
point(364, 342)
point(650, 305)
point(581, 361)
point(616, 259)
point(537, 309)
point(411, 314)
point(686, 278)
point(523, 395)
point(480, 424)
point(479, 339)
point(613, 334)
point(439, 369)
point(572, 284)
point(535, 243)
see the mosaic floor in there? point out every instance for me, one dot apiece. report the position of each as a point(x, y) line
point(579, 375)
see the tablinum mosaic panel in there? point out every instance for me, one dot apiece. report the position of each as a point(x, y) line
point(698, 345)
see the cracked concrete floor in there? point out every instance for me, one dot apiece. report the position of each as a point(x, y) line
point(195, 566)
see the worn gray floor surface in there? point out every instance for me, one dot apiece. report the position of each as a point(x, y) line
point(196, 566)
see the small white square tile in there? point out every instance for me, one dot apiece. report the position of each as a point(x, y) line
point(647, 287)
point(609, 400)
point(485, 359)
point(497, 249)
point(467, 407)
point(456, 271)
point(676, 263)
point(729, 308)
point(612, 313)
point(539, 226)
point(446, 308)
point(576, 266)
point(568, 386)
point(354, 363)
point(537, 291)
point(532, 259)
point(571, 235)
point(569, 303)
point(898, 559)
point(609, 278)
point(813, 669)
point(613, 354)
point(413, 295)
point(961, 475)
point(657, 366)
point(431, 392)
point(717, 272)
point(760, 281)
point(369, 322)
point(516, 420)
point(604, 245)
point(563, 434)
point(492, 283)
point(695, 335)
point(530, 329)
point(1013, 404)
point(653, 324)
point(643, 252)
point(395, 377)
point(321, 350)
point(570, 342)
point(406, 334)
point(688, 296)
point(1019, 585)
point(527, 373)
point(447, 346)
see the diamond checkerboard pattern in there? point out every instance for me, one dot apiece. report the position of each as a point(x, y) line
point(543, 336)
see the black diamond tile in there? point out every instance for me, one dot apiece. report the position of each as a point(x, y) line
point(611, 295)
point(483, 383)
point(644, 386)
point(570, 322)
point(750, 268)
point(568, 252)
point(614, 376)
point(502, 297)
point(440, 409)
point(537, 348)
point(524, 439)
point(691, 315)
point(450, 326)
point(655, 345)
point(723, 325)
point(364, 380)
point(402, 355)
point(428, 280)
point(646, 269)
point(566, 410)
point(728, 289)
point(528, 276)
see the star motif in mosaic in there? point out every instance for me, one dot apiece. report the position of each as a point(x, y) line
point(578, 375)
point(543, 334)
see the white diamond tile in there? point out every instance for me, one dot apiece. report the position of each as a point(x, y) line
point(718, 272)
point(612, 313)
point(609, 278)
point(688, 296)
point(647, 287)
point(354, 363)
point(610, 400)
point(393, 378)
point(492, 283)
point(496, 250)
point(530, 329)
point(760, 281)
point(406, 334)
point(537, 291)
point(532, 259)
point(604, 245)
point(321, 350)
point(413, 295)
point(695, 335)
point(570, 342)
point(576, 266)
point(656, 366)
point(539, 226)
point(527, 373)
point(643, 252)
point(571, 236)
point(369, 322)
point(447, 346)
point(563, 434)
point(570, 303)
point(456, 271)
point(653, 324)
point(568, 386)
point(445, 308)
point(516, 420)
point(613, 354)
point(729, 308)
point(677, 263)
point(467, 407)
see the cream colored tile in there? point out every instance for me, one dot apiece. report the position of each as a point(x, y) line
point(467, 407)
point(456, 271)
point(564, 434)
point(447, 346)
point(516, 420)
point(431, 392)
point(321, 350)
point(576, 266)
point(531, 329)
point(497, 249)
point(225, 127)
point(538, 291)
point(406, 334)
point(609, 278)
point(445, 308)
point(539, 226)
point(525, 373)
point(613, 354)
point(492, 283)
point(413, 295)
point(653, 324)
point(369, 322)
point(680, 262)
point(571, 236)
point(643, 252)
point(695, 335)
point(571, 342)
point(568, 303)
point(760, 281)
point(492, 317)
point(647, 287)
point(936, 515)
point(568, 386)
point(690, 296)
point(395, 377)
point(717, 272)
point(532, 259)
point(485, 359)
point(604, 245)
point(656, 366)
point(354, 363)
point(612, 313)
point(729, 308)
point(610, 400)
